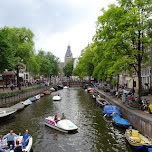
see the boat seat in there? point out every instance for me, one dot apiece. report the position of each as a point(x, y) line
point(135, 133)
point(142, 142)
point(136, 139)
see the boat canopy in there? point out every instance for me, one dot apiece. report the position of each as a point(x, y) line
point(109, 109)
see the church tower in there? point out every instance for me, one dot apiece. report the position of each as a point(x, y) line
point(68, 56)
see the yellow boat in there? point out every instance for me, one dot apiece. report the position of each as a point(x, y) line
point(150, 109)
point(137, 140)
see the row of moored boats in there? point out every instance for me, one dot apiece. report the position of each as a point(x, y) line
point(134, 138)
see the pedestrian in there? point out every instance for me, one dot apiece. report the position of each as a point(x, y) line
point(3, 87)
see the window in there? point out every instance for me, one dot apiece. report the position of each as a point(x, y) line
point(26, 76)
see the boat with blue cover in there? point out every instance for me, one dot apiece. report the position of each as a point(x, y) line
point(137, 140)
point(32, 99)
point(121, 122)
point(110, 110)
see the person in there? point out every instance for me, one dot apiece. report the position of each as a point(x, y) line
point(56, 118)
point(18, 147)
point(25, 138)
point(10, 138)
point(63, 116)
point(2, 147)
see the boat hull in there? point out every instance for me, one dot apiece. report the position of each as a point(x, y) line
point(7, 116)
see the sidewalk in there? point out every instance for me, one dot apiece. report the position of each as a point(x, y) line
point(144, 113)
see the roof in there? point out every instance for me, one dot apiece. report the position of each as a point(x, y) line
point(68, 52)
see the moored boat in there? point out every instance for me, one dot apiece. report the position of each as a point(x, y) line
point(26, 102)
point(32, 99)
point(110, 110)
point(47, 92)
point(37, 97)
point(121, 122)
point(41, 94)
point(52, 89)
point(137, 140)
point(6, 113)
point(63, 125)
point(66, 87)
point(18, 106)
point(101, 102)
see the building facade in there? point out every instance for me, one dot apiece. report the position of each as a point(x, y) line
point(68, 56)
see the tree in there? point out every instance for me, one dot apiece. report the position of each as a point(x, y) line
point(68, 69)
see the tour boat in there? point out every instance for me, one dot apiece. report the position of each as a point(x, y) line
point(52, 89)
point(66, 87)
point(19, 138)
point(110, 110)
point(121, 122)
point(26, 102)
point(56, 98)
point(18, 106)
point(101, 102)
point(6, 113)
point(32, 99)
point(37, 97)
point(137, 140)
point(62, 125)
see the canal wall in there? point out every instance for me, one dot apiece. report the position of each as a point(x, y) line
point(141, 122)
point(7, 101)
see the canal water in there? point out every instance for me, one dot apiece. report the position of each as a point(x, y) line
point(95, 133)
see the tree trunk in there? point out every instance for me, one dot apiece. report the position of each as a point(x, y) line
point(18, 79)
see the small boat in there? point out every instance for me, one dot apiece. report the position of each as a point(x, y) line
point(32, 99)
point(18, 106)
point(6, 113)
point(121, 122)
point(89, 88)
point(92, 91)
point(56, 98)
point(47, 92)
point(26, 102)
point(95, 95)
point(66, 87)
point(101, 102)
point(52, 89)
point(137, 140)
point(41, 94)
point(60, 87)
point(37, 97)
point(110, 110)
point(63, 125)
point(19, 138)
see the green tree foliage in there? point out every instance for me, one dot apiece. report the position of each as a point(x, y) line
point(68, 69)
point(85, 66)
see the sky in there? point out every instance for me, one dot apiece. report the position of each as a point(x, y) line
point(55, 23)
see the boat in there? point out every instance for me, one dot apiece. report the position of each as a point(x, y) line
point(32, 99)
point(149, 149)
point(37, 97)
point(56, 98)
point(92, 91)
point(52, 89)
point(19, 138)
point(63, 125)
point(137, 140)
point(66, 87)
point(60, 87)
point(47, 92)
point(41, 94)
point(26, 102)
point(18, 106)
point(101, 102)
point(6, 113)
point(110, 110)
point(89, 88)
point(121, 122)
point(95, 95)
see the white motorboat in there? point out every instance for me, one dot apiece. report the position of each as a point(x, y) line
point(18, 106)
point(6, 113)
point(37, 97)
point(62, 125)
point(56, 98)
point(66, 87)
point(19, 138)
point(52, 89)
point(26, 102)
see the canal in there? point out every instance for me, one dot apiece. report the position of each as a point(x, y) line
point(95, 133)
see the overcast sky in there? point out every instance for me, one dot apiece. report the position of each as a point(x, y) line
point(55, 23)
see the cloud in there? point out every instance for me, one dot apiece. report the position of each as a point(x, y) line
point(55, 23)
